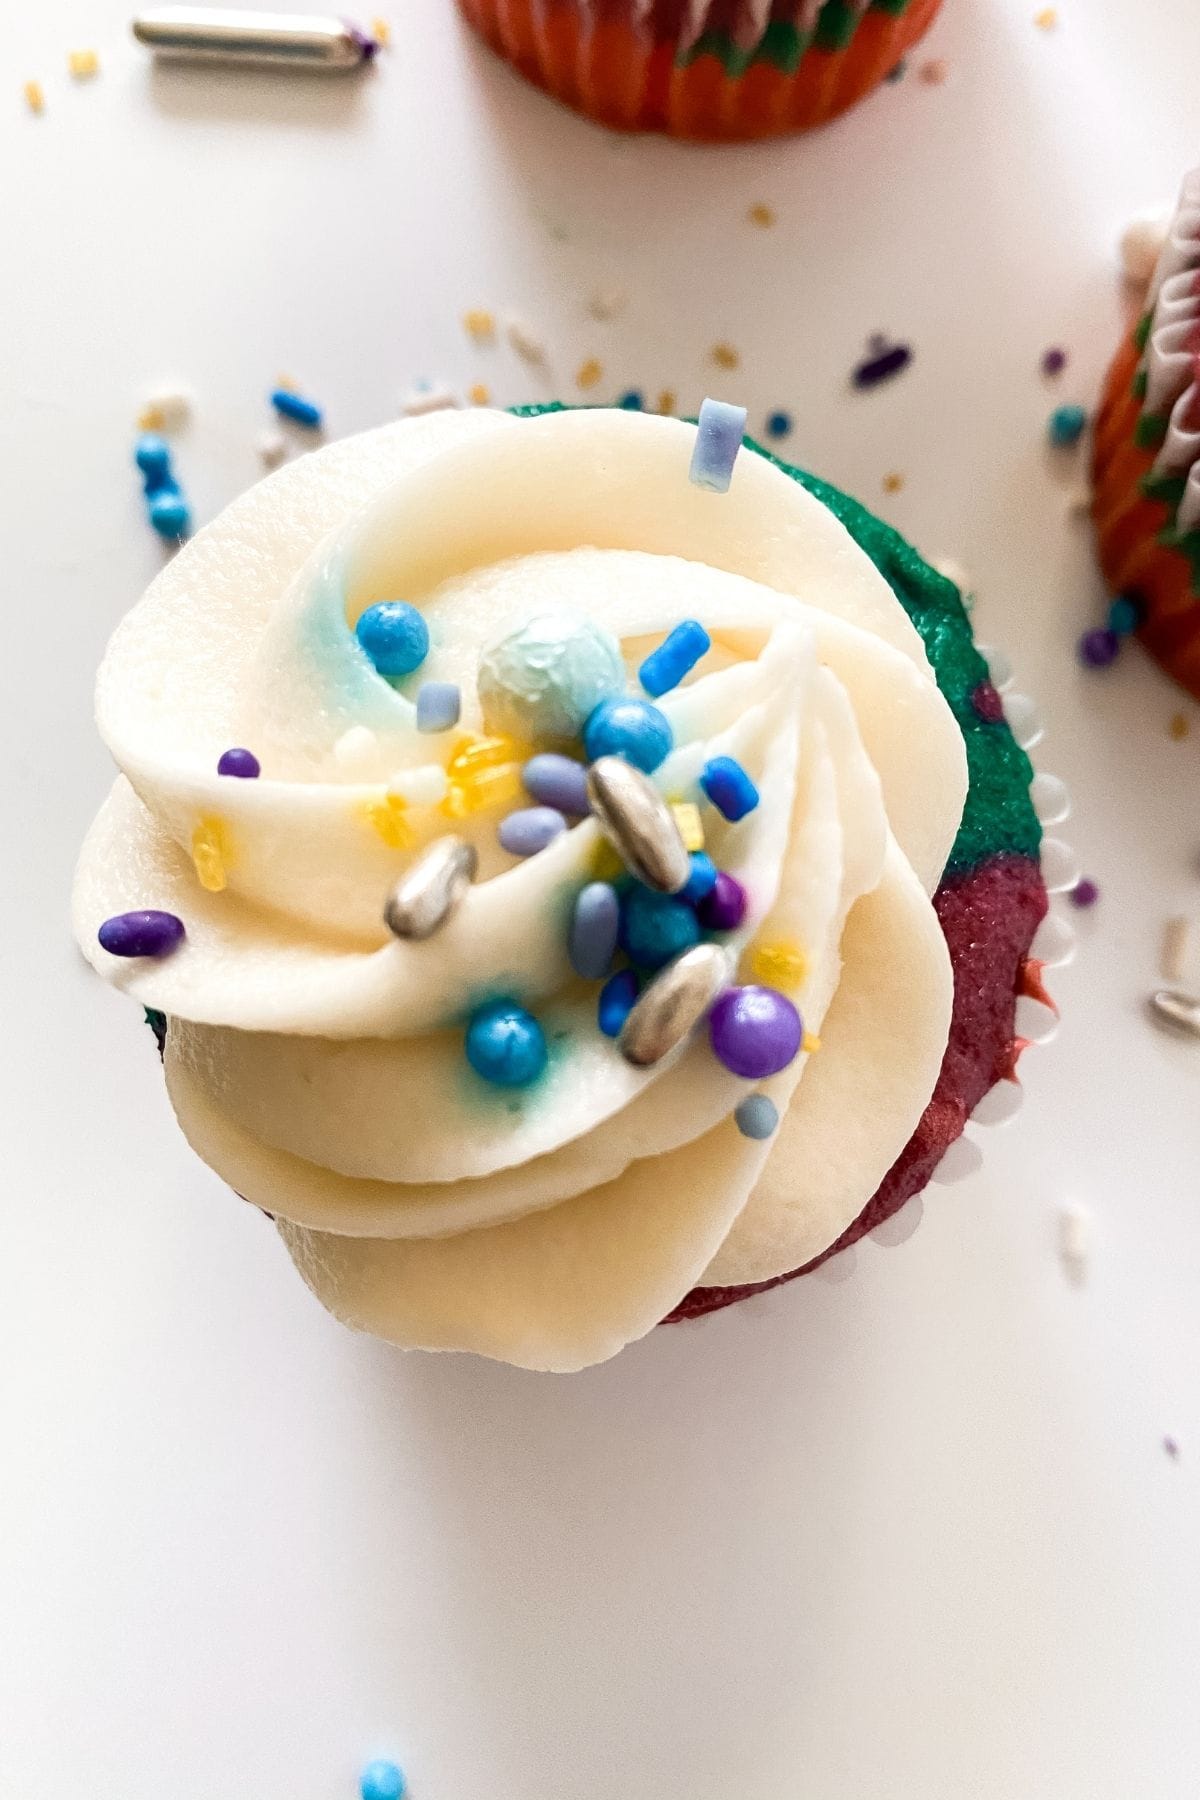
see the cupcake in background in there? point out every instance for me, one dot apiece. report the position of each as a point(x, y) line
point(1146, 461)
point(713, 69)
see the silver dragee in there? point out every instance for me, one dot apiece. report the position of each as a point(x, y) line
point(638, 824)
point(1180, 1010)
point(673, 1005)
point(430, 888)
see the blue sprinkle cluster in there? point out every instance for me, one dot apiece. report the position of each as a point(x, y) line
point(166, 507)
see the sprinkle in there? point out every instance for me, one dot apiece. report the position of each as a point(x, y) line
point(428, 400)
point(1085, 892)
point(394, 636)
point(1178, 727)
point(1098, 647)
point(173, 406)
point(152, 454)
point(987, 703)
point(506, 1045)
point(1065, 426)
point(898, 71)
point(666, 401)
point(607, 302)
point(489, 787)
point(810, 1043)
point(427, 785)
point(240, 763)
point(480, 324)
point(523, 341)
point(479, 394)
point(474, 754)
point(637, 822)
point(529, 830)
point(616, 1001)
point(271, 446)
point(35, 98)
point(356, 749)
point(1124, 615)
point(141, 934)
point(934, 71)
point(1171, 1446)
point(169, 515)
point(1047, 19)
point(1054, 361)
point(723, 908)
point(386, 816)
point(1178, 962)
point(624, 726)
point(439, 704)
point(702, 879)
point(719, 432)
point(589, 373)
point(893, 482)
point(779, 424)
point(882, 364)
point(632, 401)
point(1141, 245)
point(953, 571)
point(604, 863)
point(381, 31)
point(725, 356)
point(211, 853)
point(761, 214)
point(674, 658)
point(431, 889)
point(729, 787)
point(1180, 1011)
point(778, 965)
point(295, 407)
point(1078, 500)
point(558, 781)
point(151, 418)
point(757, 1116)
point(673, 1005)
point(593, 937)
point(82, 64)
point(1074, 1240)
point(691, 827)
point(755, 1031)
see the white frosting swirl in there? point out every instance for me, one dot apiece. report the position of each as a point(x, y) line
point(1172, 359)
point(316, 1063)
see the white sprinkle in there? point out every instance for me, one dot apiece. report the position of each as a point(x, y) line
point(525, 342)
point(173, 404)
point(1180, 959)
point(428, 400)
point(954, 571)
point(271, 446)
point(357, 750)
point(1075, 1240)
point(607, 302)
point(424, 786)
point(1079, 501)
point(1141, 244)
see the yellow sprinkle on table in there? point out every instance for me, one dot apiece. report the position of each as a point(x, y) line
point(387, 816)
point(479, 395)
point(589, 373)
point(691, 827)
point(1179, 727)
point(35, 98)
point(810, 1043)
point(934, 72)
point(1047, 19)
point(780, 965)
point(480, 324)
point(725, 356)
point(666, 401)
point(893, 483)
point(151, 418)
point(212, 852)
point(761, 214)
point(82, 64)
point(381, 31)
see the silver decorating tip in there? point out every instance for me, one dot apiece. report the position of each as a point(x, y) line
point(273, 39)
point(638, 824)
point(673, 1005)
point(431, 888)
point(1180, 1010)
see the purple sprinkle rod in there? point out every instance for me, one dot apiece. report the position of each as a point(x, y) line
point(278, 40)
point(141, 934)
point(719, 432)
point(882, 366)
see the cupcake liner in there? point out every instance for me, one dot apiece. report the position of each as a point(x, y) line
point(709, 69)
point(1146, 455)
point(896, 1211)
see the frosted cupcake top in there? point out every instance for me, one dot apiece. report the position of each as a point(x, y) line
point(1170, 372)
point(457, 1150)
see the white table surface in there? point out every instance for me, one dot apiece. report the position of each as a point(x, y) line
point(910, 1535)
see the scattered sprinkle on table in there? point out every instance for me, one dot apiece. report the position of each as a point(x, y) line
point(1074, 1240)
point(934, 72)
point(480, 324)
point(526, 343)
point(1171, 1446)
point(170, 406)
point(607, 302)
point(1179, 727)
point(779, 424)
point(479, 394)
point(1098, 647)
point(381, 31)
point(35, 98)
point(589, 373)
point(632, 400)
point(271, 446)
point(761, 214)
point(1054, 361)
point(382, 1779)
point(666, 401)
point(82, 64)
point(1047, 19)
point(898, 71)
point(1085, 893)
point(291, 405)
point(1179, 960)
point(1065, 426)
point(719, 432)
point(893, 482)
point(884, 361)
point(725, 356)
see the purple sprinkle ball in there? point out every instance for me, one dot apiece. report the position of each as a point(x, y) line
point(1098, 647)
point(755, 1031)
point(1085, 892)
point(1054, 361)
point(141, 934)
point(724, 906)
point(242, 763)
point(882, 365)
point(987, 703)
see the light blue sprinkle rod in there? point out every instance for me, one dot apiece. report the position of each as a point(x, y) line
point(719, 431)
point(675, 657)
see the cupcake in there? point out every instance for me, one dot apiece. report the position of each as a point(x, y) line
point(721, 69)
point(1146, 463)
point(569, 896)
